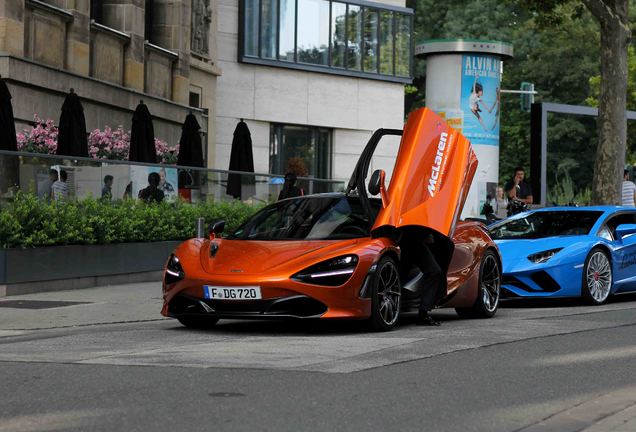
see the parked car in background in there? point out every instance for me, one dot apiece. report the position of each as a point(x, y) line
point(587, 252)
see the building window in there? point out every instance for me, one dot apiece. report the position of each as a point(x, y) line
point(304, 150)
point(149, 21)
point(195, 97)
point(343, 38)
point(97, 11)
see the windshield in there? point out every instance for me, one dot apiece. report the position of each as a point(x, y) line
point(546, 224)
point(308, 218)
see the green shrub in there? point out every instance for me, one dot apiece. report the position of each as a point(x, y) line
point(28, 222)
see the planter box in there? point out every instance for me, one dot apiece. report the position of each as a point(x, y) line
point(18, 266)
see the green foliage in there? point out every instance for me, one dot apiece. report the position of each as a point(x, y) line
point(30, 222)
point(563, 190)
point(556, 47)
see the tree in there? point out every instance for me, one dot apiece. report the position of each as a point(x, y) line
point(615, 34)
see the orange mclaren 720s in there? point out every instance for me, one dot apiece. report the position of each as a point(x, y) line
point(343, 255)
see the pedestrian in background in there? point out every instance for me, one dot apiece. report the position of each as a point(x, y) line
point(45, 193)
point(628, 195)
point(517, 189)
point(500, 203)
point(107, 190)
point(59, 189)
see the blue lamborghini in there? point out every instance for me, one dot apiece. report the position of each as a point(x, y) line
point(568, 252)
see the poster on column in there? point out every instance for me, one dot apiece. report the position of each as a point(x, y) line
point(167, 180)
point(481, 77)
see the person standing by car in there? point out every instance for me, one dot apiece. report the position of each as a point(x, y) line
point(628, 193)
point(419, 248)
point(517, 189)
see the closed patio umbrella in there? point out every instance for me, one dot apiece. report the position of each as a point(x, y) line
point(9, 165)
point(142, 136)
point(241, 159)
point(190, 151)
point(71, 138)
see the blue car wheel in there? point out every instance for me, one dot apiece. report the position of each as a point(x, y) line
point(597, 277)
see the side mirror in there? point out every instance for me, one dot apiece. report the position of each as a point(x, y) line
point(376, 182)
point(216, 227)
point(624, 230)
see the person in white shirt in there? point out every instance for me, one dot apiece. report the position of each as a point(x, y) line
point(59, 189)
point(628, 195)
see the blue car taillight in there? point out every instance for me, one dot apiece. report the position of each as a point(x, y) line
point(333, 272)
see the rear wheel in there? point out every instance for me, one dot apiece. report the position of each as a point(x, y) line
point(597, 277)
point(489, 289)
point(198, 322)
point(385, 295)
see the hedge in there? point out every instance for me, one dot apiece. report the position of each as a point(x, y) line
point(29, 222)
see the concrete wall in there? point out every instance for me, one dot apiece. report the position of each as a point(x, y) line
point(352, 107)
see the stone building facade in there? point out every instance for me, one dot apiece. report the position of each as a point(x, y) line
point(113, 53)
point(312, 78)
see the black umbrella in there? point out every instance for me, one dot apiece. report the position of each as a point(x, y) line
point(241, 159)
point(190, 151)
point(142, 136)
point(9, 165)
point(71, 138)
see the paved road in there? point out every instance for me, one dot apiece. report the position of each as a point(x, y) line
point(112, 363)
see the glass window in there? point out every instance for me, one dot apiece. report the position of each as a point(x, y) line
point(370, 51)
point(269, 28)
point(97, 11)
point(331, 36)
point(287, 30)
point(309, 218)
point(386, 42)
point(251, 27)
point(354, 37)
point(403, 45)
point(338, 38)
point(303, 150)
point(313, 31)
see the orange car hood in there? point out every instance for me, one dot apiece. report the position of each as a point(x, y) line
point(235, 257)
point(431, 178)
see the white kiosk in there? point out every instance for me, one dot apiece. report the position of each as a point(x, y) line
point(463, 82)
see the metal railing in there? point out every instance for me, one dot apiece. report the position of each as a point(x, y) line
point(29, 172)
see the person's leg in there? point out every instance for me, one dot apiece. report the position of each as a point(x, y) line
point(430, 293)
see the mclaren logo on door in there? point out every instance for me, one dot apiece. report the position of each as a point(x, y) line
point(434, 181)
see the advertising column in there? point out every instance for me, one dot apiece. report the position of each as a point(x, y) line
point(463, 81)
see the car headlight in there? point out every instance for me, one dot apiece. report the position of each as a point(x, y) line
point(541, 257)
point(333, 272)
point(174, 271)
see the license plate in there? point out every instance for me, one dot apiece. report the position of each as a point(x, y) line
point(231, 293)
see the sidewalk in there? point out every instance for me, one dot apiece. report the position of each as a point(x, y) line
point(72, 308)
point(612, 412)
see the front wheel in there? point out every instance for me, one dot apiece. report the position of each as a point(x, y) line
point(489, 289)
point(597, 277)
point(385, 295)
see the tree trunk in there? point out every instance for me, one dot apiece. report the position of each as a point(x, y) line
point(612, 122)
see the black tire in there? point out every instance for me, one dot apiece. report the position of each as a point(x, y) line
point(489, 290)
point(196, 322)
point(386, 291)
point(597, 285)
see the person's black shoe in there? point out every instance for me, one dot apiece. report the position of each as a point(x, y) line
point(424, 319)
